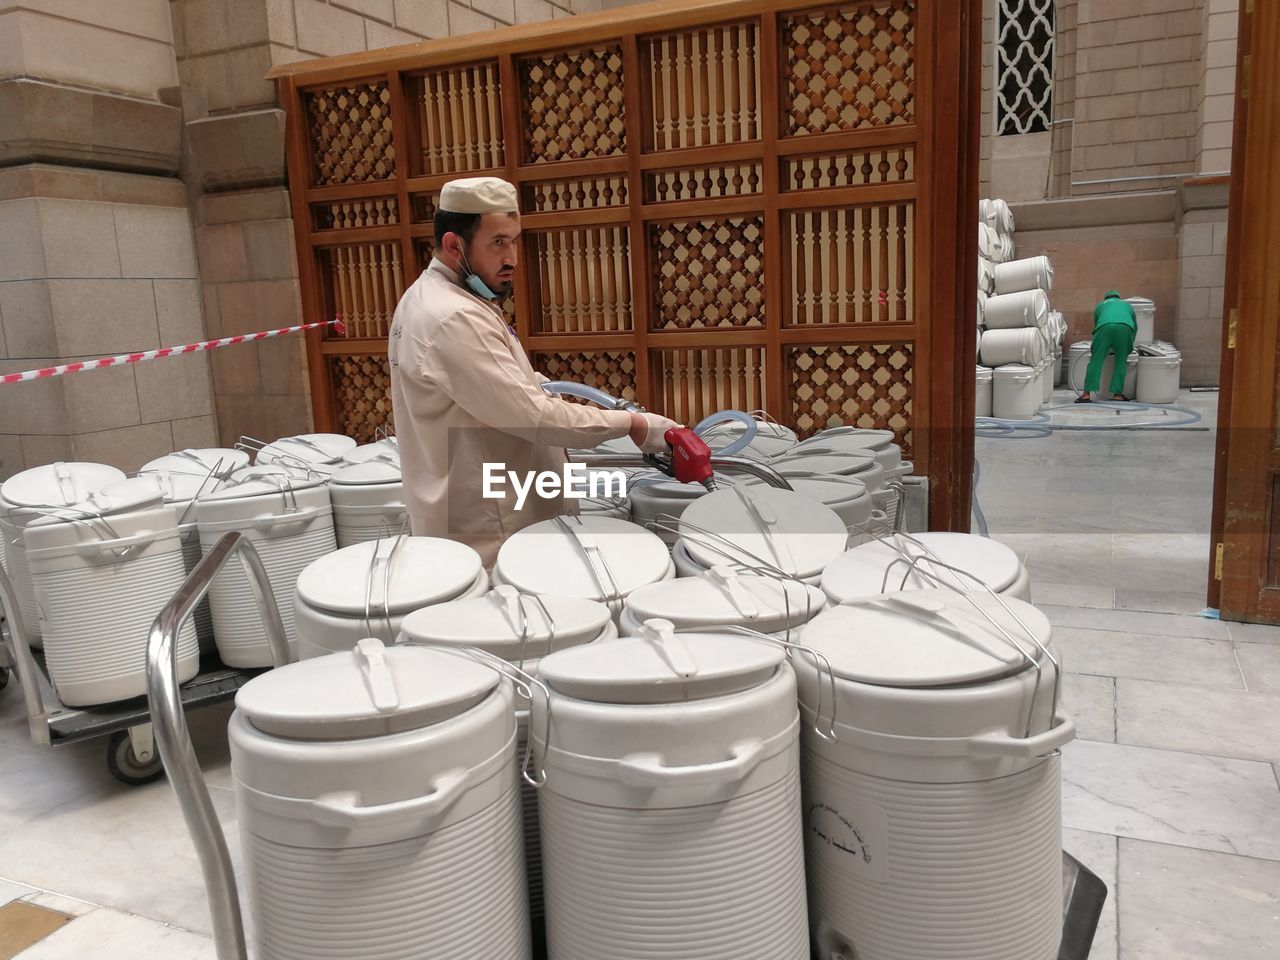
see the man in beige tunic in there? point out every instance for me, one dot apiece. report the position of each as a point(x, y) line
point(465, 394)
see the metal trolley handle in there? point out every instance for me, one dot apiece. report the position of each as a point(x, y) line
point(174, 739)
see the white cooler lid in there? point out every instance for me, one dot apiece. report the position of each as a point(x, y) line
point(427, 570)
point(367, 451)
point(124, 496)
point(802, 536)
point(493, 622)
point(853, 436)
point(57, 484)
point(661, 666)
point(178, 487)
point(365, 692)
point(830, 490)
point(925, 638)
point(367, 473)
point(542, 558)
point(199, 460)
point(310, 447)
point(831, 464)
point(721, 595)
point(860, 572)
point(258, 481)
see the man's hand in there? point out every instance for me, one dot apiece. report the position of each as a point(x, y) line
point(648, 432)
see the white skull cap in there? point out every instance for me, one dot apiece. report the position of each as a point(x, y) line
point(479, 195)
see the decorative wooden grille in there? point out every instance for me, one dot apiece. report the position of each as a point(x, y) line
point(752, 207)
point(1024, 66)
point(350, 131)
point(863, 385)
point(851, 68)
point(613, 371)
point(709, 274)
point(362, 389)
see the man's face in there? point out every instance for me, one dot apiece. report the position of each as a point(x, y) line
point(494, 251)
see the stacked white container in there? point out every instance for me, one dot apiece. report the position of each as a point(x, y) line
point(671, 810)
point(1144, 312)
point(982, 393)
point(102, 570)
point(925, 560)
point(721, 597)
point(367, 589)
point(1159, 373)
point(1015, 391)
point(289, 520)
point(756, 526)
point(521, 630)
point(378, 807)
point(29, 495)
point(933, 816)
point(368, 500)
point(598, 558)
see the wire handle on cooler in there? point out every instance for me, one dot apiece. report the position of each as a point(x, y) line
point(511, 602)
point(821, 665)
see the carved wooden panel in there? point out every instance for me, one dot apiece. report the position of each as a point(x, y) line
point(364, 282)
point(849, 68)
point(694, 383)
point(860, 385)
point(853, 169)
point(351, 134)
point(708, 273)
point(852, 265)
point(705, 87)
point(362, 395)
point(580, 194)
point(422, 206)
point(353, 214)
point(583, 279)
point(459, 111)
point(703, 183)
point(613, 371)
point(573, 105)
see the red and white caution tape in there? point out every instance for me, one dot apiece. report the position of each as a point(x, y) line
point(124, 358)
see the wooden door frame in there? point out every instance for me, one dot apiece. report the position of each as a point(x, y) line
point(1246, 464)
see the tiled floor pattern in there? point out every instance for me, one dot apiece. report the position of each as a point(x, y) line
point(1171, 792)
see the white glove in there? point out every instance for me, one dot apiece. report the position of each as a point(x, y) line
point(654, 439)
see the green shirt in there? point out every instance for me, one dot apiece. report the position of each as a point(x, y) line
point(1114, 310)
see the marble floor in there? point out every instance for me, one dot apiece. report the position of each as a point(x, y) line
point(1171, 792)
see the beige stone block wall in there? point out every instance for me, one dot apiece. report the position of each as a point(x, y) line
point(1202, 247)
point(1217, 86)
point(108, 266)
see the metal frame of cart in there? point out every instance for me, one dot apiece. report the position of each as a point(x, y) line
point(131, 753)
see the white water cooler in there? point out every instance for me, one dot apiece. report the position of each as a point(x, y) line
point(379, 815)
point(933, 820)
point(671, 814)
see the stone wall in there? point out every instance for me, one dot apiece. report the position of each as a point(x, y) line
point(97, 254)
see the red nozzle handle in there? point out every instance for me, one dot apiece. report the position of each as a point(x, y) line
point(690, 457)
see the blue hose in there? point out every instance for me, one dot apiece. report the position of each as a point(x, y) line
point(570, 389)
point(724, 416)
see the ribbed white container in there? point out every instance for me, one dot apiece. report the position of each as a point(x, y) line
point(368, 501)
point(1044, 378)
point(290, 523)
point(1144, 312)
point(1078, 364)
point(1159, 378)
point(933, 824)
point(25, 497)
point(515, 628)
point(99, 587)
point(987, 272)
point(671, 810)
point(1032, 273)
point(1015, 392)
point(378, 808)
point(367, 589)
point(982, 392)
point(1008, 311)
point(1024, 345)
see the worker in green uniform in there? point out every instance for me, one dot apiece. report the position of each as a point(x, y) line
point(1114, 327)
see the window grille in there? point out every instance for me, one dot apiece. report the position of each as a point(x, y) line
point(1024, 66)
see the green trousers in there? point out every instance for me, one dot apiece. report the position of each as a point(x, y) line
point(1114, 338)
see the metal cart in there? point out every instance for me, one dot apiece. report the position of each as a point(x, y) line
point(130, 751)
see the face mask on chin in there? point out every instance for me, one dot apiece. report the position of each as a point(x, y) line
point(476, 285)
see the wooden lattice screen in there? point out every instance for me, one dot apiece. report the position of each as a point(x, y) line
point(740, 203)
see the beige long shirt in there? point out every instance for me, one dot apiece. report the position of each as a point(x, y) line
point(465, 394)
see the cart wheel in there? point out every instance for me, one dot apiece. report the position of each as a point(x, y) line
point(125, 767)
